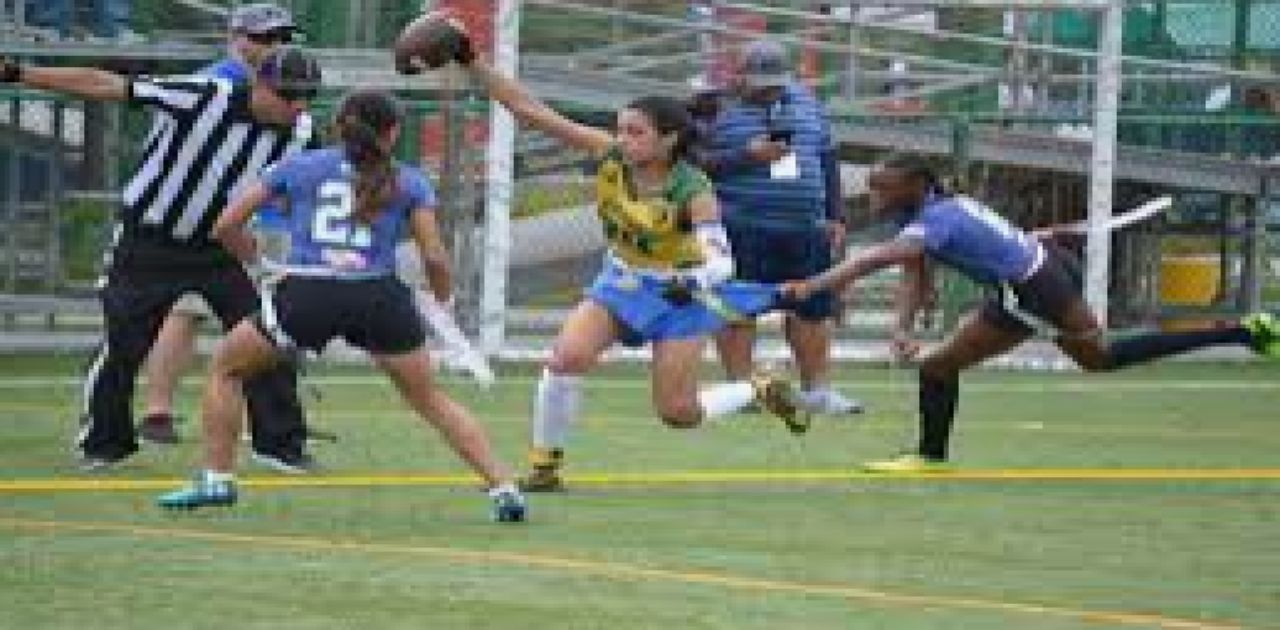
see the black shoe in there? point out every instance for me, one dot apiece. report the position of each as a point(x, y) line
point(157, 428)
point(300, 465)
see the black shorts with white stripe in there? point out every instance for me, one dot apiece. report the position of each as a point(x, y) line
point(377, 314)
point(1037, 303)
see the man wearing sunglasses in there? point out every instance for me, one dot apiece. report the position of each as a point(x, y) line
point(211, 136)
point(254, 31)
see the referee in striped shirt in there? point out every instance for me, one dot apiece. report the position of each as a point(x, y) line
point(210, 137)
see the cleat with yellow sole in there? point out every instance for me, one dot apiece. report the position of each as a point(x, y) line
point(779, 397)
point(908, 463)
point(1264, 329)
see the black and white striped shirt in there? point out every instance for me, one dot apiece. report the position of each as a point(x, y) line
point(204, 146)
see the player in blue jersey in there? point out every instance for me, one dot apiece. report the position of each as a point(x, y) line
point(1033, 286)
point(349, 206)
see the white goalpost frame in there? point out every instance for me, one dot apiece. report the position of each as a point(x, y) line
point(1102, 160)
point(499, 183)
point(499, 186)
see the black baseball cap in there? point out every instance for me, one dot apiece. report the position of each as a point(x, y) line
point(291, 72)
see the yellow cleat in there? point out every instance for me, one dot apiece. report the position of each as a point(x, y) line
point(907, 463)
point(541, 480)
point(779, 397)
point(544, 473)
point(1264, 329)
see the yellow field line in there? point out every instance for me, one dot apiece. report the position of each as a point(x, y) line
point(76, 484)
point(622, 571)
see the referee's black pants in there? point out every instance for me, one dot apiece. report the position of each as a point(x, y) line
point(135, 302)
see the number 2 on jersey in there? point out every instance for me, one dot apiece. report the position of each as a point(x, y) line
point(334, 223)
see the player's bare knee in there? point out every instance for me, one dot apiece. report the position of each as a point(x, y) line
point(683, 415)
point(568, 363)
point(681, 421)
point(939, 368)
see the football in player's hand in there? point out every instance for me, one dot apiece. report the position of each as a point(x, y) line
point(431, 41)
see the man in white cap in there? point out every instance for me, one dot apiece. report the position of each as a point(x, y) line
point(769, 152)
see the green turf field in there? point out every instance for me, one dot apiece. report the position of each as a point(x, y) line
point(738, 525)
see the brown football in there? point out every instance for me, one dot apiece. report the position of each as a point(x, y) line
point(431, 41)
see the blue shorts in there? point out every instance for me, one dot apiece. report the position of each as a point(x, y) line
point(635, 301)
point(773, 255)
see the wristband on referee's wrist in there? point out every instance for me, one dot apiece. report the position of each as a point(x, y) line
point(10, 71)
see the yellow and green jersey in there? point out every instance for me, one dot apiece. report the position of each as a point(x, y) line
point(649, 232)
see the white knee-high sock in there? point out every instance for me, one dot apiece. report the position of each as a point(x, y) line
point(723, 399)
point(555, 406)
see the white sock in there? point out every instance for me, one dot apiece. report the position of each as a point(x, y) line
point(723, 399)
point(555, 407)
point(506, 487)
point(214, 476)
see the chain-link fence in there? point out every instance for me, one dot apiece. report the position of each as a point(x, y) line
point(1004, 98)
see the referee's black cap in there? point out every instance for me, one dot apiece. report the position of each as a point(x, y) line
point(291, 72)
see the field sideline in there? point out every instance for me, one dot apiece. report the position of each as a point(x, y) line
point(1146, 499)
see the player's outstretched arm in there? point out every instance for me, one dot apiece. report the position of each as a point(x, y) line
point(436, 39)
point(912, 292)
point(864, 263)
point(431, 251)
point(86, 83)
point(531, 111)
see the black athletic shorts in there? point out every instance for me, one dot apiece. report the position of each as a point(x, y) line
point(1037, 303)
point(377, 314)
point(774, 255)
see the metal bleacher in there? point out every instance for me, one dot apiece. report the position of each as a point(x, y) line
point(657, 50)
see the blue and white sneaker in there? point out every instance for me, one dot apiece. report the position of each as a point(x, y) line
point(508, 504)
point(200, 492)
point(827, 400)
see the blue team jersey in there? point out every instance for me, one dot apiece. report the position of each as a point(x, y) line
point(325, 237)
point(230, 69)
point(970, 237)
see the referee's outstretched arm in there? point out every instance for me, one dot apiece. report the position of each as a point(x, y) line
point(86, 83)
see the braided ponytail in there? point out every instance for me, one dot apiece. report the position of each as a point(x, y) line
point(364, 117)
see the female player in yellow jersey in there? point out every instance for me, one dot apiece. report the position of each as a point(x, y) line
point(666, 275)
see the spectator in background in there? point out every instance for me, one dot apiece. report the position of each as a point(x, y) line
point(255, 30)
point(106, 18)
point(1262, 142)
point(769, 152)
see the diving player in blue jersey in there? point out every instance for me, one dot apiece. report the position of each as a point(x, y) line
point(1033, 286)
point(350, 205)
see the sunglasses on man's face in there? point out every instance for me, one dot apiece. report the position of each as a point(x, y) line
point(283, 36)
point(296, 93)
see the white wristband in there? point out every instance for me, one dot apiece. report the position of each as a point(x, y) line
point(717, 255)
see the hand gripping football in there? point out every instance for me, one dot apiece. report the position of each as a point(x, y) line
point(431, 41)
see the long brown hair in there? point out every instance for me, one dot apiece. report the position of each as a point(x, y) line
point(669, 115)
point(364, 116)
